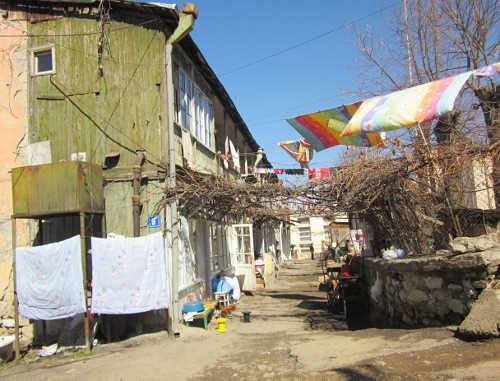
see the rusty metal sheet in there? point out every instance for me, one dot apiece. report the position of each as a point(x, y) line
point(64, 187)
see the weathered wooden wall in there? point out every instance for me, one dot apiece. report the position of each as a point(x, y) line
point(84, 109)
point(116, 110)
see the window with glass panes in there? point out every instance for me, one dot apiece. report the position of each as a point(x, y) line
point(42, 60)
point(219, 246)
point(195, 111)
point(244, 253)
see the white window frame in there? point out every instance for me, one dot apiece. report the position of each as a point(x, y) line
point(220, 255)
point(33, 59)
point(243, 244)
point(195, 110)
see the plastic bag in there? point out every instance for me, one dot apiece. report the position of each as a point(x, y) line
point(389, 254)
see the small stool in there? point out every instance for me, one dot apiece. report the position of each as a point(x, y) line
point(205, 316)
point(222, 298)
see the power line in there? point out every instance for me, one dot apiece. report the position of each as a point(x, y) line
point(263, 123)
point(76, 34)
point(307, 41)
point(109, 124)
point(295, 107)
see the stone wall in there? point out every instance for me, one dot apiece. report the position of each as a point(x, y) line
point(430, 291)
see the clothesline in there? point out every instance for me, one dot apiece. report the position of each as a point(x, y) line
point(313, 173)
point(129, 275)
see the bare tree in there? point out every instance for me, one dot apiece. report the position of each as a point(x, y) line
point(428, 40)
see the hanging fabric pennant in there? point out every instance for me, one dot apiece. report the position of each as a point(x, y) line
point(322, 129)
point(300, 150)
point(405, 108)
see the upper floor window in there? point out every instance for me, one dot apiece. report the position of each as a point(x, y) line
point(195, 111)
point(43, 60)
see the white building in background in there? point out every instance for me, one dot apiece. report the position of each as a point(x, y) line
point(318, 231)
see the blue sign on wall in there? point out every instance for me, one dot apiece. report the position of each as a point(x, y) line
point(154, 222)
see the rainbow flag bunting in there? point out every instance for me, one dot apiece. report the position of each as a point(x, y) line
point(323, 129)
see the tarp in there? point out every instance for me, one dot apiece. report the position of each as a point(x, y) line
point(300, 150)
point(128, 275)
point(322, 129)
point(50, 280)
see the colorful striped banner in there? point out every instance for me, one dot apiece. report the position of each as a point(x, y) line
point(407, 107)
point(323, 129)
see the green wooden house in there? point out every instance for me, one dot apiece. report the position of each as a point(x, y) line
point(120, 91)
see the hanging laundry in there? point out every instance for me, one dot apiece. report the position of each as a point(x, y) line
point(405, 108)
point(262, 171)
point(50, 280)
point(325, 172)
point(235, 154)
point(314, 173)
point(278, 171)
point(187, 148)
point(300, 150)
point(322, 129)
point(319, 173)
point(259, 157)
point(294, 171)
point(225, 161)
point(128, 275)
point(487, 71)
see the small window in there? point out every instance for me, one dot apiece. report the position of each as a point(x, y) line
point(43, 61)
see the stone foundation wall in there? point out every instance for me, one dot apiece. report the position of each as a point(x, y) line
point(429, 291)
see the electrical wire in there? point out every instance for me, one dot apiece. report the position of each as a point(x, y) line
point(229, 72)
point(307, 41)
point(109, 123)
point(295, 107)
point(25, 34)
point(252, 63)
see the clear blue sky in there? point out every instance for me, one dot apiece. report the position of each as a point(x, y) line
point(306, 79)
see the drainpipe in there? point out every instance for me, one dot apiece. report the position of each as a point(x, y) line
point(140, 158)
point(186, 24)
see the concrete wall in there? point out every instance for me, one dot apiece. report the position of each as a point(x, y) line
point(430, 291)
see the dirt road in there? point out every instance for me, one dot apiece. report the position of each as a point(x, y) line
point(292, 336)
